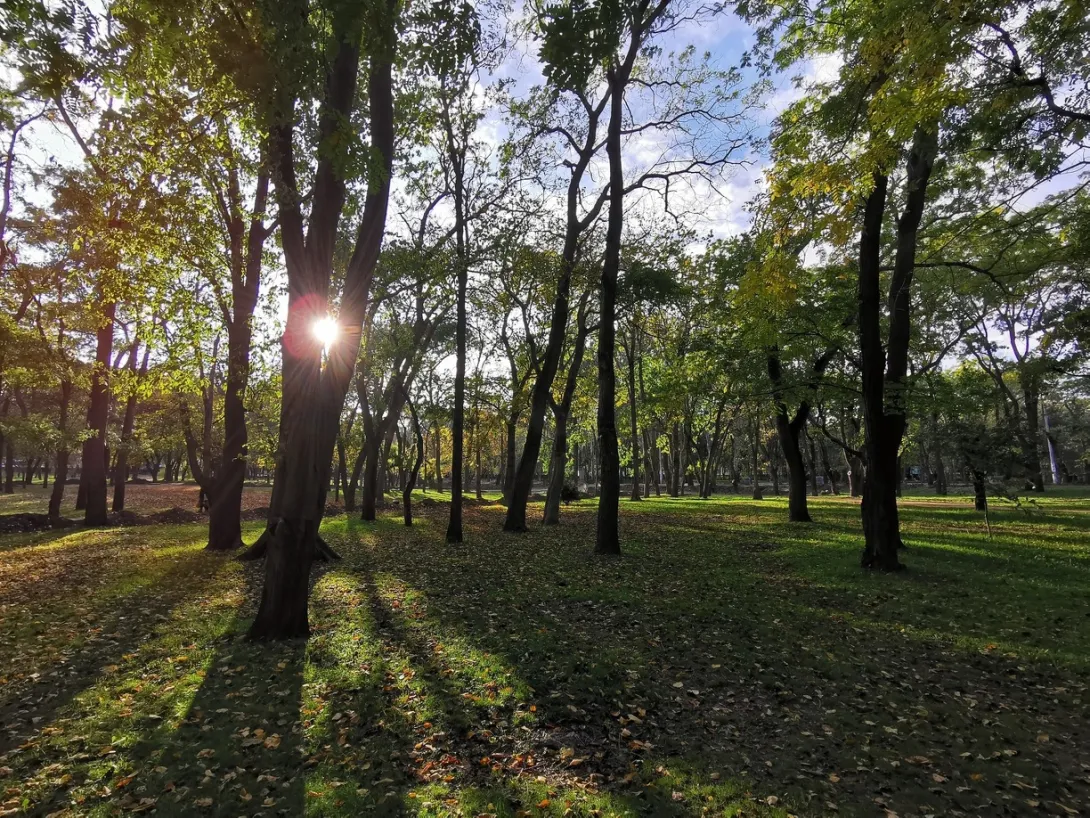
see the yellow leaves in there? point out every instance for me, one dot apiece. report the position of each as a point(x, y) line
point(272, 742)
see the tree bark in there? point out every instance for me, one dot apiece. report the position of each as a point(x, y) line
point(884, 371)
point(121, 469)
point(410, 484)
point(607, 540)
point(1031, 448)
point(457, 158)
point(789, 431)
point(313, 395)
point(98, 413)
point(633, 419)
point(61, 476)
point(754, 428)
point(558, 469)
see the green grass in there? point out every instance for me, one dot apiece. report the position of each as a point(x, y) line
point(729, 663)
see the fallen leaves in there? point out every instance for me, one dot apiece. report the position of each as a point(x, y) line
point(434, 692)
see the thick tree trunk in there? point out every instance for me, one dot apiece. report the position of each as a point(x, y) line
point(283, 610)
point(457, 452)
point(881, 529)
point(1031, 451)
point(225, 506)
point(98, 412)
point(884, 371)
point(313, 395)
point(557, 469)
point(788, 432)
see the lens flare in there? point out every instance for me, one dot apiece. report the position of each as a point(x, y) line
point(326, 331)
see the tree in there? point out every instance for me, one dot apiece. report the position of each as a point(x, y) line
point(315, 382)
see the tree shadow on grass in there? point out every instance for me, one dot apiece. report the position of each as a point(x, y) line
point(237, 749)
point(57, 648)
point(190, 719)
point(693, 647)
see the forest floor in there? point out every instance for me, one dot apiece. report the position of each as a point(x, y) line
point(729, 663)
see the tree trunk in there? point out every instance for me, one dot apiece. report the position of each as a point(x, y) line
point(353, 483)
point(980, 491)
point(754, 459)
point(225, 501)
point(827, 467)
point(558, 468)
point(369, 498)
point(1053, 458)
point(340, 477)
point(61, 476)
point(509, 463)
point(410, 484)
point(9, 466)
point(457, 452)
point(1031, 451)
point(856, 472)
point(313, 395)
point(941, 487)
point(812, 465)
point(121, 469)
point(881, 529)
point(98, 414)
point(634, 429)
point(438, 458)
point(884, 371)
point(788, 432)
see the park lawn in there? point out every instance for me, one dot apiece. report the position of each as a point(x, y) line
point(729, 663)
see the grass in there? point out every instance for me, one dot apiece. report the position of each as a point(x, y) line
point(730, 663)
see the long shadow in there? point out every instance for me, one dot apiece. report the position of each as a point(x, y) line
point(686, 645)
point(237, 750)
point(89, 641)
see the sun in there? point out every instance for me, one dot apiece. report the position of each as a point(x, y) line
point(326, 331)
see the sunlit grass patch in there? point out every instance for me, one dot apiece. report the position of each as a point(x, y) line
point(729, 663)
